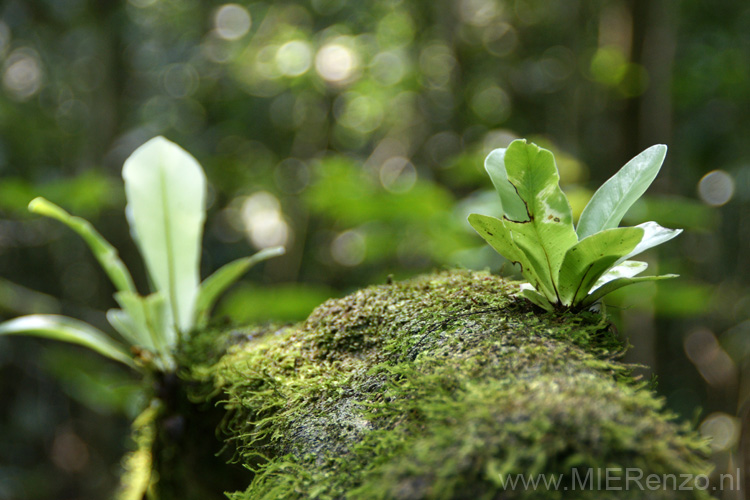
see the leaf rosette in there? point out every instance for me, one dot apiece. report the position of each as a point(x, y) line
point(569, 267)
point(165, 189)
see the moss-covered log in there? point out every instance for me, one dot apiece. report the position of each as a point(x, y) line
point(441, 387)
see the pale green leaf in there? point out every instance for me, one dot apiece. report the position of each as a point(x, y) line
point(619, 283)
point(146, 321)
point(613, 199)
point(213, 286)
point(587, 260)
point(165, 188)
point(537, 298)
point(549, 232)
point(512, 205)
point(135, 321)
point(626, 269)
point(158, 320)
point(653, 235)
point(533, 173)
point(127, 328)
point(104, 252)
point(52, 326)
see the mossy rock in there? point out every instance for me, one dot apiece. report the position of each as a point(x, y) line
point(441, 387)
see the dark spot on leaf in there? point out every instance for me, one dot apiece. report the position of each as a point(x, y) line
point(548, 218)
point(490, 233)
point(557, 219)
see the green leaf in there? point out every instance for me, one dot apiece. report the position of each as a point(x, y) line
point(619, 283)
point(213, 286)
point(586, 261)
point(533, 173)
point(104, 252)
point(52, 326)
point(511, 204)
point(653, 235)
point(626, 269)
point(497, 234)
point(144, 321)
point(123, 323)
point(165, 188)
point(537, 298)
point(613, 199)
point(549, 232)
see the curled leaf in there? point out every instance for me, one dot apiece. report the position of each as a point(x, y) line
point(213, 286)
point(104, 252)
point(619, 283)
point(52, 326)
point(653, 235)
point(626, 269)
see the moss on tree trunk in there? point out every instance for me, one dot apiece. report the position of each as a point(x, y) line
point(440, 387)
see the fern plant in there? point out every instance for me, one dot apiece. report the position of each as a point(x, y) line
point(569, 268)
point(165, 189)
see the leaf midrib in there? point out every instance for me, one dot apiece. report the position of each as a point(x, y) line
point(171, 278)
point(533, 221)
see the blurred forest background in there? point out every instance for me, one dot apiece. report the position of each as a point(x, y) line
point(354, 133)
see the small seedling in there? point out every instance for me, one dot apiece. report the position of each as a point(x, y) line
point(165, 189)
point(567, 268)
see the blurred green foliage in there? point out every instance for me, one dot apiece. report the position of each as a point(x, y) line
point(355, 133)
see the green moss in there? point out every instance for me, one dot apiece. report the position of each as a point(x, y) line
point(438, 388)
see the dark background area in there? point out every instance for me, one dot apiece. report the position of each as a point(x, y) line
point(355, 133)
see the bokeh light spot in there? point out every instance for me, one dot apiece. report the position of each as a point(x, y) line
point(398, 175)
point(608, 65)
point(437, 62)
point(388, 68)
point(216, 49)
point(263, 221)
point(294, 58)
point(361, 113)
point(395, 30)
point(336, 63)
point(265, 62)
point(349, 248)
point(232, 21)
point(180, 80)
point(22, 73)
point(716, 188)
point(500, 39)
point(479, 12)
point(491, 104)
point(722, 430)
